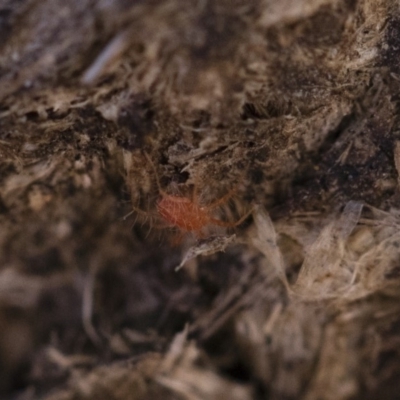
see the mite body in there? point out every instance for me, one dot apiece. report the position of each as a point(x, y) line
point(183, 213)
point(188, 214)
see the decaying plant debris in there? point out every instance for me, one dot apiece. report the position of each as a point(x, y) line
point(292, 105)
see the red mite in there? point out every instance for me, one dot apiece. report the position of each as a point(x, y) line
point(187, 214)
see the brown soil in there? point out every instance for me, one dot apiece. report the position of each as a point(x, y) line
point(291, 106)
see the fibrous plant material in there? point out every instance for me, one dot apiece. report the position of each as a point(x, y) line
point(264, 134)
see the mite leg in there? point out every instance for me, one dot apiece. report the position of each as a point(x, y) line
point(153, 167)
point(223, 199)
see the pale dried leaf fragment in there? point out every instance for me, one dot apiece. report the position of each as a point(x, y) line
point(295, 340)
point(191, 379)
point(263, 237)
point(252, 342)
point(175, 350)
point(288, 10)
point(324, 273)
point(212, 245)
point(34, 173)
point(67, 362)
point(119, 380)
point(199, 383)
point(377, 266)
point(334, 377)
point(110, 55)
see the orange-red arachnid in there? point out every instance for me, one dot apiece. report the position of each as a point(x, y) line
point(187, 213)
